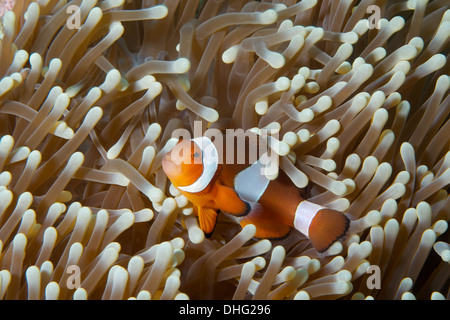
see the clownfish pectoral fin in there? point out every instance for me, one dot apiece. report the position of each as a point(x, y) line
point(266, 226)
point(207, 218)
point(327, 227)
point(228, 201)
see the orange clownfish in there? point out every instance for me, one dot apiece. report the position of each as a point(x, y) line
point(242, 190)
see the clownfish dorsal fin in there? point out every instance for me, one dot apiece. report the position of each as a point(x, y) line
point(207, 218)
point(228, 201)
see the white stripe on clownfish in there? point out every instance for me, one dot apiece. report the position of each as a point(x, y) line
point(304, 215)
point(250, 184)
point(210, 160)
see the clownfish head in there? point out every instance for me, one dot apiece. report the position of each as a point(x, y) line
point(191, 164)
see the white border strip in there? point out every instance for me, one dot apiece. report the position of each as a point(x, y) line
point(210, 160)
point(250, 184)
point(304, 215)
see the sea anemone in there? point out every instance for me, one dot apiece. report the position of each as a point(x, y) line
point(356, 95)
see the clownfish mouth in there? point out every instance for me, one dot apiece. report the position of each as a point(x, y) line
point(169, 167)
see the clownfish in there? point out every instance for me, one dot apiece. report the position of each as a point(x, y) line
point(242, 190)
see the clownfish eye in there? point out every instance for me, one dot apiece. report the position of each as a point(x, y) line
point(196, 155)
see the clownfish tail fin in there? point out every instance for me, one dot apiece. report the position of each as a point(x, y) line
point(321, 225)
point(327, 227)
